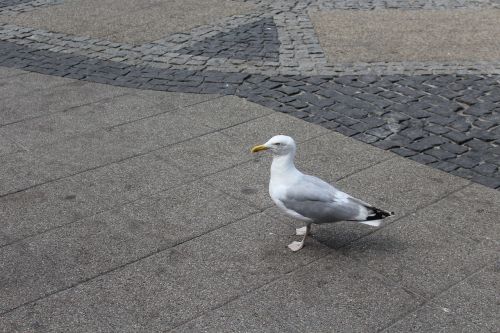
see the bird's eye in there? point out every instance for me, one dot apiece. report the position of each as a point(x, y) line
point(278, 144)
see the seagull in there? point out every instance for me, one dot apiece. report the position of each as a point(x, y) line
point(309, 198)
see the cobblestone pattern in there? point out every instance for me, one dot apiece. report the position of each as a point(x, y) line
point(8, 3)
point(257, 40)
point(14, 7)
point(450, 122)
point(300, 52)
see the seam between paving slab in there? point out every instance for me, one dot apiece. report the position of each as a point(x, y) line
point(155, 252)
point(123, 159)
point(421, 299)
point(200, 178)
point(432, 300)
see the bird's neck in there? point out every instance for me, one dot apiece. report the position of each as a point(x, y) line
point(283, 166)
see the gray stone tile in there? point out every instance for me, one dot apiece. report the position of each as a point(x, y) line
point(335, 156)
point(171, 286)
point(10, 72)
point(132, 178)
point(105, 241)
point(433, 319)
point(7, 146)
point(43, 207)
point(260, 130)
point(207, 154)
point(400, 185)
point(89, 150)
point(224, 112)
point(425, 259)
point(70, 199)
point(475, 298)
point(478, 221)
point(331, 295)
point(159, 131)
point(21, 170)
point(79, 120)
point(41, 102)
point(26, 83)
point(169, 101)
point(248, 182)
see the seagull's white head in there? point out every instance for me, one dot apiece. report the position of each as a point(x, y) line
point(278, 145)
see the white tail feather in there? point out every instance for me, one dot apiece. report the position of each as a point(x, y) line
point(374, 223)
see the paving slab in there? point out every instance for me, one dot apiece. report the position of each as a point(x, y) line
point(6, 72)
point(21, 170)
point(224, 112)
point(248, 182)
point(478, 222)
point(423, 258)
point(431, 318)
point(59, 98)
point(334, 156)
point(112, 19)
point(328, 295)
point(475, 298)
point(17, 83)
point(172, 286)
point(207, 154)
point(7, 146)
point(400, 185)
point(67, 200)
point(54, 127)
point(168, 101)
point(103, 242)
point(260, 130)
point(408, 35)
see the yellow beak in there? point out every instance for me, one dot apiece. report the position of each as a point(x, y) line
point(259, 148)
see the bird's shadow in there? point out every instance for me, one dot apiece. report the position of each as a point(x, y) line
point(354, 238)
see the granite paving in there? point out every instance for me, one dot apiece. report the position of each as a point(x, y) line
point(129, 200)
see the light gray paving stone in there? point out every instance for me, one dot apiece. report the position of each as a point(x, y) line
point(21, 170)
point(335, 156)
point(16, 85)
point(10, 72)
point(171, 101)
point(400, 185)
point(476, 298)
point(224, 112)
point(64, 201)
point(41, 102)
point(159, 130)
point(102, 147)
point(260, 130)
point(7, 146)
point(248, 182)
point(207, 154)
point(103, 242)
point(57, 126)
point(172, 286)
point(330, 295)
point(423, 258)
point(479, 221)
point(433, 319)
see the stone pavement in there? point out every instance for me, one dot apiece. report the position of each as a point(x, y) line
point(404, 76)
point(129, 200)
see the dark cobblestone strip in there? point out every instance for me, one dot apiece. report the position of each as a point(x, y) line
point(252, 41)
point(450, 122)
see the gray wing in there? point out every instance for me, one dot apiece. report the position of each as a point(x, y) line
point(321, 202)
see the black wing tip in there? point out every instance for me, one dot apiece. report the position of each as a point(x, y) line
point(379, 214)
